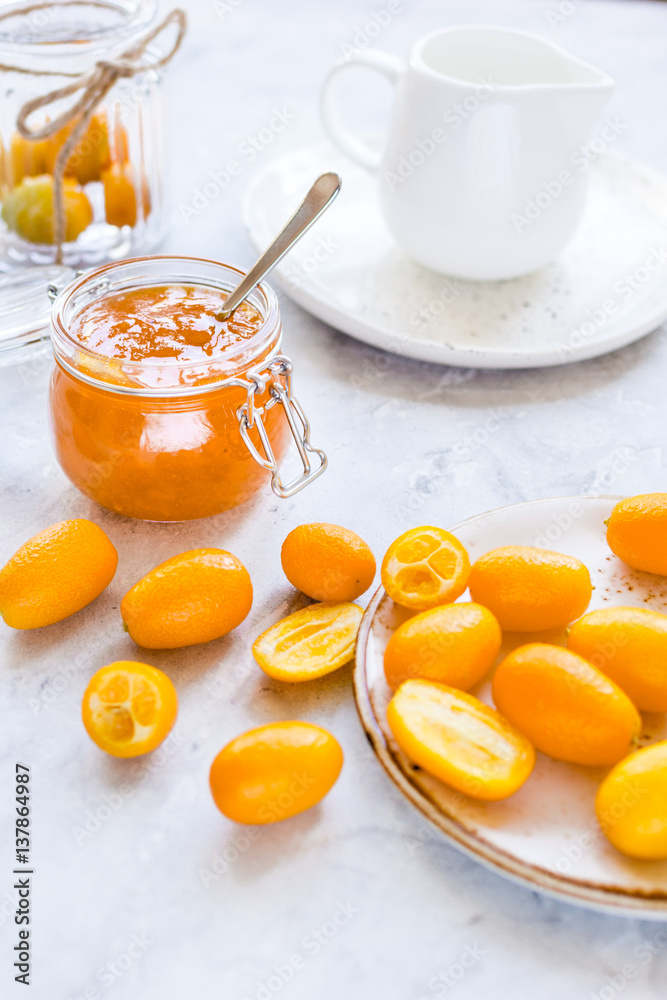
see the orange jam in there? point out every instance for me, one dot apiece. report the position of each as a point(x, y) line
point(143, 414)
point(164, 321)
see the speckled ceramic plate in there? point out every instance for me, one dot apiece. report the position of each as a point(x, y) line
point(608, 288)
point(546, 835)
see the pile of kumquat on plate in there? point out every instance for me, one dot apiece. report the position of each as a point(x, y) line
point(580, 703)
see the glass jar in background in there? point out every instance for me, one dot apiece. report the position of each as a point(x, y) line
point(113, 193)
point(166, 440)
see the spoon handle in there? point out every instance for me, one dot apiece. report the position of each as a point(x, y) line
point(320, 196)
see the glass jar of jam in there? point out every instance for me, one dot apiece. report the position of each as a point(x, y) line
point(112, 180)
point(159, 410)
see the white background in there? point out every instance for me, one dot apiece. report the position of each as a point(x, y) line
point(408, 443)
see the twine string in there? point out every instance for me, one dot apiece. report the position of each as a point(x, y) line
point(95, 84)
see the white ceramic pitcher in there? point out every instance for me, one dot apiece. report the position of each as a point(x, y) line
point(483, 174)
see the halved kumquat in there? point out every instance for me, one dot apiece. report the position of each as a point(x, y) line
point(425, 567)
point(460, 740)
point(129, 708)
point(309, 643)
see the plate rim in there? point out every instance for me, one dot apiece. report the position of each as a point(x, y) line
point(442, 354)
point(618, 901)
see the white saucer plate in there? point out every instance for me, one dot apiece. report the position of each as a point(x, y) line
point(546, 835)
point(606, 290)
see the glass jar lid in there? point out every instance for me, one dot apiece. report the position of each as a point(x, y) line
point(25, 310)
point(74, 24)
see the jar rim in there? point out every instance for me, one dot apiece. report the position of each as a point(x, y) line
point(264, 343)
point(139, 14)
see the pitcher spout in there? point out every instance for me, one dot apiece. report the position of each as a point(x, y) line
point(507, 60)
point(582, 106)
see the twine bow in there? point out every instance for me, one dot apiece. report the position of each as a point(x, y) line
point(95, 85)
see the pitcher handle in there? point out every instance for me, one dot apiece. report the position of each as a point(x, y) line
point(382, 62)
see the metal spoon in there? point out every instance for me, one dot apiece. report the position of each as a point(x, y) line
point(318, 199)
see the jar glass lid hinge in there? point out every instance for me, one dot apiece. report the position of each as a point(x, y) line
point(277, 378)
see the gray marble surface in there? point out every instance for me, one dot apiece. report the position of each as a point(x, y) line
point(358, 897)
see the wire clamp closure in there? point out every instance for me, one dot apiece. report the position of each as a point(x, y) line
point(277, 380)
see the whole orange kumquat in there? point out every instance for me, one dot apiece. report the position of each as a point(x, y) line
point(637, 532)
point(27, 158)
point(120, 196)
point(631, 804)
point(530, 589)
point(56, 573)
point(327, 562)
point(129, 708)
point(566, 707)
point(191, 598)
point(630, 646)
point(274, 772)
point(29, 210)
point(454, 644)
point(90, 154)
